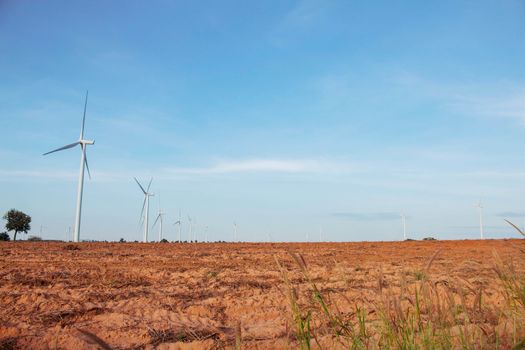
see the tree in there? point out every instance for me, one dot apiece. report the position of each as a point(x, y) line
point(4, 236)
point(17, 221)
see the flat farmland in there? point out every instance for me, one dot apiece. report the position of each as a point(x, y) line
point(248, 295)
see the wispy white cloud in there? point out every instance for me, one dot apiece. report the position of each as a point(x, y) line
point(304, 13)
point(47, 174)
point(511, 214)
point(268, 166)
point(498, 99)
point(509, 104)
point(303, 17)
point(379, 216)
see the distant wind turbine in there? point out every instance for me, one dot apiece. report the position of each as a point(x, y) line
point(191, 228)
point(159, 217)
point(83, 163)
point(179, 222)
point(480, 209)
point(404, 221)
point(145, 214)
point(234, 231)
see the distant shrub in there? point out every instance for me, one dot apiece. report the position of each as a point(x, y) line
point(122, 240)
point(429, 239)
point(164, 240)
point(4, 236)
point(34, 238)
point(71, 247)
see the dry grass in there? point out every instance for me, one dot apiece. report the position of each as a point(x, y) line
point(427, 314)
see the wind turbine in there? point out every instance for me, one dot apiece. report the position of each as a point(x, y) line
point(159, 217)
point(403, 219)
point(191, 228)
point(147, 194)
point(83, 163)
point(320, 234)
point(179, 222)
point(480, 208)
point(234, 231)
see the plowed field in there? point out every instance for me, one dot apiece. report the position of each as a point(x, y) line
point(207, 296)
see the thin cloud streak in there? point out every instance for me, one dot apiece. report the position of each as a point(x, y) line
point(379, 216)
point(511, 214)
point(290, 166)
point(268, 166)
point(498, 99)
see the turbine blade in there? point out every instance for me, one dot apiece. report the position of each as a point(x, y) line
point(138, 183)
point(84, 118)
point(157, 219)
point(86, 163)
point(71, 145)
point(149, 184)
point(516, 227)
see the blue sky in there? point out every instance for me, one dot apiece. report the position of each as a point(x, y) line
point(284, 116)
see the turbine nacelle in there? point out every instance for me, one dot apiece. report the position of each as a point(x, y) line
point(86, 142)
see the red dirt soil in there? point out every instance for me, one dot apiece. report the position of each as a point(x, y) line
point(204, 296)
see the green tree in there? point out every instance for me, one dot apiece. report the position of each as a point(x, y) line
point(4, 236)
point(17, 221)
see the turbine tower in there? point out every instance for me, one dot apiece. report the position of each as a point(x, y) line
point(83, 164)
point(234, 231)
point(147, 194)
point(480, 209)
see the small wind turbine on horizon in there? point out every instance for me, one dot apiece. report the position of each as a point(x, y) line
point(159, 217)
point(480, 209)
point(83, 164)
point(404, 221)
point(191, 228)
point(179, 222)
point(235, 231)
point(145, 215)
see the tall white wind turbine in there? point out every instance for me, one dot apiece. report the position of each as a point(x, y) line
point(145, 214)
point(480, 209)
point(83, 164)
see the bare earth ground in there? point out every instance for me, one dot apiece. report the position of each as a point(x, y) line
point(204, 296)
